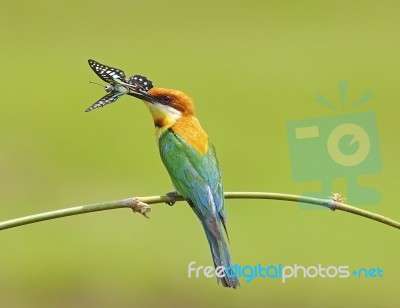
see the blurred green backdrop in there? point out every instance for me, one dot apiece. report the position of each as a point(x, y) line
point(251, 66)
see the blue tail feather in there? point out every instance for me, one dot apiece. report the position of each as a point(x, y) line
point(221, 257)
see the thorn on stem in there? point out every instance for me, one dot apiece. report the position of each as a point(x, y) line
point(336, 197)
point(138, 206)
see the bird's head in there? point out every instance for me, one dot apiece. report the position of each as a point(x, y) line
point(171, 109)
point(166, 105)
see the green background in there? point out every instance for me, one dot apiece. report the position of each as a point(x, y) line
point(251, 66)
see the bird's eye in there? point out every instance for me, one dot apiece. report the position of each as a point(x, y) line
point(167, 99)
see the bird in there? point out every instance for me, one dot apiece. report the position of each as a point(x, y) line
point(192, 164)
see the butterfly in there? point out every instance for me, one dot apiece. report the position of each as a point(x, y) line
point(115, 91)
point(118, 85)
point(140, 82)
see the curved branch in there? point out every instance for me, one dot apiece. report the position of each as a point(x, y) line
point(140, 205)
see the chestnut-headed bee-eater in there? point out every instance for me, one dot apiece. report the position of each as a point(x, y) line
point(192, 164)
point(185, 151)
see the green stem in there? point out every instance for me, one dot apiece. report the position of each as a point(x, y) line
point(139, 204)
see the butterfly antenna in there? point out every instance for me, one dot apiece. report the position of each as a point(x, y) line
point(96, 83)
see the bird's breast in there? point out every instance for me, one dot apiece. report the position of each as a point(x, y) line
point(190, 130)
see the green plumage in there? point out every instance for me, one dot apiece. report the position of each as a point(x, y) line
point(197, 178)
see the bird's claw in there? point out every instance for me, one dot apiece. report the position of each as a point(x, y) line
point(173, 195)
point(138, 206)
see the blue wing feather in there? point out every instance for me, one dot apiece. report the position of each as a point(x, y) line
point(197, 178)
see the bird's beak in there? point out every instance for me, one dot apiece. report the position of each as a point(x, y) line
point(139, 87)
point(141, 94)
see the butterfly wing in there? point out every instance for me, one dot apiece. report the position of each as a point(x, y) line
point(141, 82)
point(105, 100)
point(107, 73)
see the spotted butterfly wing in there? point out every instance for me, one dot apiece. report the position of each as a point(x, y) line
point(118, 85)
point(141, 81)
point(105, 100)
point(107, 73)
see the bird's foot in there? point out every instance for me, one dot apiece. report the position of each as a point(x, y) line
point(173, 196)
point(138, 206)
